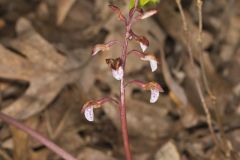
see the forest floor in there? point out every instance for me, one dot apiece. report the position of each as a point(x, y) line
point(47, 73)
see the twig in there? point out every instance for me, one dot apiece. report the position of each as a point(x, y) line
point(200, 28)
point(199, 4)
point(197, 83)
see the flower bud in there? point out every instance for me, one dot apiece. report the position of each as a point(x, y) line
point(103, 47)
point(143, 46)
point(148, 14)
point(98, 48)
point(139, 10)
point(115, 9)
point(144, 43)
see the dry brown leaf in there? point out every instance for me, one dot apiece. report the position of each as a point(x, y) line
point(71, 141)
point(168, 152)
point(172, 23)
point(178, 93)
point(142, 115)
point(4, 155)
point(92, 154)
point(41, 65)
point(63, 7)
point(2, 24)
point(39, 155)
point(43, 11)
point(20, 140)
point(231, 39)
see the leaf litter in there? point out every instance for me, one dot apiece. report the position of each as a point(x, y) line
point(45, 76)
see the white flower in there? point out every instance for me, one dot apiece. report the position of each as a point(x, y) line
point(152, 60)
point(88, 113)
point(154, 95)
point(118, 74)
point(154, 87)
point(98, 48)
point(153, 64)
point(143, 46)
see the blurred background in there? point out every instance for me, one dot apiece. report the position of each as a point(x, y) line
point(47, 74)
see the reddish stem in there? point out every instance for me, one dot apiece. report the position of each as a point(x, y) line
point(124, 123)
point(124, 128)
point(37, 136)
point(123, 106)
point(136, 82)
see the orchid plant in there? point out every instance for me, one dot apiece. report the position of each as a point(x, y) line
point(118, 65)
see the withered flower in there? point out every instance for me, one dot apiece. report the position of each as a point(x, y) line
point(116, 66)
point(103, 47)
point(115, 9)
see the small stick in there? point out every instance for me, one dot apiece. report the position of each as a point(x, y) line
point(197, 83)
point(200, 28)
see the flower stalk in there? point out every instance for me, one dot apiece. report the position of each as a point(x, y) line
point(118, 66)
point(123, 117)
